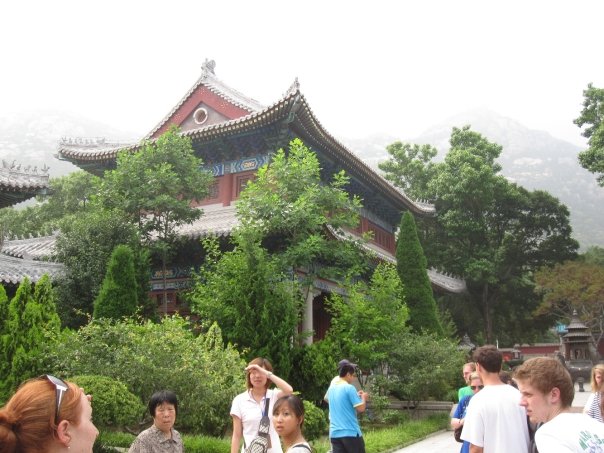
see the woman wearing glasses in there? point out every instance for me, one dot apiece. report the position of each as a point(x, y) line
point(47, 415)
point(457, 420)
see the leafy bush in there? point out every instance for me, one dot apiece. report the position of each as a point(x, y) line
point(205, 444)
point(147, 357)
point(315, 421)
point(115, 438)
point(112, 403)
point(315, 366)
point(424, 367)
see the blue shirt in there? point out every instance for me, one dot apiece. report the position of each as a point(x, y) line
point(343, 400)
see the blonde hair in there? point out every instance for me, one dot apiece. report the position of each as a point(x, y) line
point(594, 387)
point(27, 421)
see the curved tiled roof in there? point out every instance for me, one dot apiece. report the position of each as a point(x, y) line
point(216, 220)
point(32, 248)
point(18, 184)
point(14, 270)
point(292, 109)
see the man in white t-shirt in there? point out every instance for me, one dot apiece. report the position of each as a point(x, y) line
point(495, 422)
point(547, 394)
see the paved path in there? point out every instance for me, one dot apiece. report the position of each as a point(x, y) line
point(443, 441)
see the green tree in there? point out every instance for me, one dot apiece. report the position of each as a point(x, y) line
point(68, 195)
point(594, 255)
point(495, 234)
point(570, 286)
point(592, 116)
point(84, 246)
point(155, 188)
point(410, 167)
point(4, 339)
point(411, 265)
point(288, 207)
point(246, 292)
point(118, 295)
point(367, 321)
point(32, 323)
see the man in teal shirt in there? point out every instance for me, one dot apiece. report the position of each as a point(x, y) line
point(344, 404)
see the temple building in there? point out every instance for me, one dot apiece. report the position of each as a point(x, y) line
point(20, 258)
point(235, 135)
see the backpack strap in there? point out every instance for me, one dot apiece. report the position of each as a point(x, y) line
point(302, 446)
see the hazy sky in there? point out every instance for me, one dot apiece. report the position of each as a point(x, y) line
point(365, 67)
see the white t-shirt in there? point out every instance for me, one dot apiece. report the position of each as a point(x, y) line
point(570, 433)
point(250, 411)
point(496, 422)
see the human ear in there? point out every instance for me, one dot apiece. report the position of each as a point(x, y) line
point(62, 433)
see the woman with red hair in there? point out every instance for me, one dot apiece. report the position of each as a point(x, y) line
point(47, 415)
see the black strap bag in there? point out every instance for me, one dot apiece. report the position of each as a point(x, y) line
point(261, 442)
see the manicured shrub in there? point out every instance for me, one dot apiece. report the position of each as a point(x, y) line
point(315, 422)
point(112, 403)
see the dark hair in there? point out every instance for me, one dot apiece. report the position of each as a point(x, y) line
point(163, 396)
point(546, 373)
point(294, 403)
point(27, 421)
point(345, 369)
point(489, 358)
point(262, 362)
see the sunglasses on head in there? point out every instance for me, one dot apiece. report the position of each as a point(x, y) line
point(60, 389)
point(474, 387)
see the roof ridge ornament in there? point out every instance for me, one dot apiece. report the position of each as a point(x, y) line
point(207, 67)
point(294, 88)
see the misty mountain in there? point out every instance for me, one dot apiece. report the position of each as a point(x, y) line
point(31, 138)
point(533, 159)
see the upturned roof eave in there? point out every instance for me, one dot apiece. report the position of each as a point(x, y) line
point(292, 109)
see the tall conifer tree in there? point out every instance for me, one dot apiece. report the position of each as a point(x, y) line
point(411, 266)
point(118, 296)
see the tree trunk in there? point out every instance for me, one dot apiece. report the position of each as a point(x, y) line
point(488, 322)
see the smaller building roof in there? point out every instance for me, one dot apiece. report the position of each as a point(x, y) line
point(19, 183)
point(14, 270)
point(32, 248)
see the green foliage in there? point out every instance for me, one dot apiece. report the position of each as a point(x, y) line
point(155, 186)
point(32, 322)
point(288, 201)
point(573, 285)
point(411, 265)
point(112, 404)
point(594, 255)
point(118, 295)
point(314, 367)
point(84, 246)
point(67, 195)
point(410, 167)
point(390, 439)
point(315, 422)
point(192, 444)
point(148, 357)
point(424, 367)
point(490, 231)
point(592, 116)
point(366, 324)
point(255, 303)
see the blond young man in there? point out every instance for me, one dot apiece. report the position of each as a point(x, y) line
point(547, 394)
